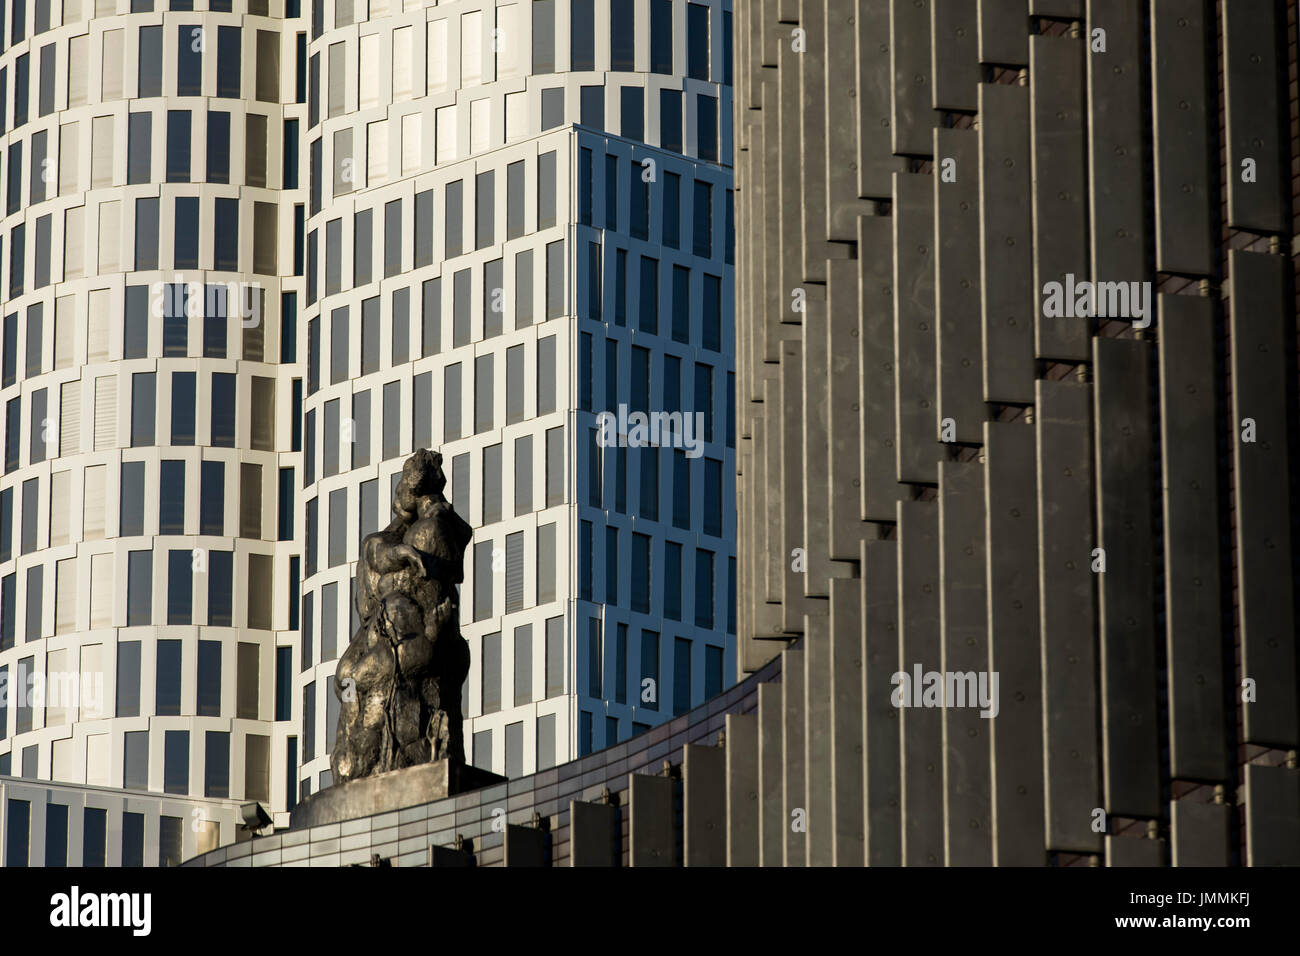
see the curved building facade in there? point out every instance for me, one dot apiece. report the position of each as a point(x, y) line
point(142, 586)
point(253, 256)
point(520, 219)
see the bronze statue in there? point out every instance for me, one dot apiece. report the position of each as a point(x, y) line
point(399, 681)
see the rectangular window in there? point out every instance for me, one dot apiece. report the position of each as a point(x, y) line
point(484, 414)
point(216, 764)
point(223, 410)
point(681, 320)
point(620, 665)
point(672, 581)
point(681, 490)
point(490, 664)
point(56, 834)
point(703, 225)
point(546, 184)
point(622, 35)
point(681, 676)
point(451, 395)
point(697, 41)
point(139, 161)
point(167, 691)
point(94, 837)
point(217, 147)
point(632, 111)
point(554, 466)
point(392, 443)
point(392, 238)
point(703, 588)
point(611, 192)
point(650, 669)
point(555, 279)
point(672, 231)
point(212, 498)
point(482, 580)
point(545, 563)
point(641, 571)
point(430, 317)
point(514, 572)
point(221, 579)
point(640, 207)
point(584, 561)
point(591, 107)
point(186, 250)
point(491, 484)
point(544, 36)
point(554, 656)
point(143, 409)
point(180, 587)
point(455, 218)
point(706, 117)
point(649, 310)
point(524, 289)
point(494, 295)
point(18, 827)
point(611, 565)
point(595, 664)
point(228, 61)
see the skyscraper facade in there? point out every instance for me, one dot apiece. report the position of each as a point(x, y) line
point(254, 256)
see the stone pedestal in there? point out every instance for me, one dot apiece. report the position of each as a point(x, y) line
point(386, 792)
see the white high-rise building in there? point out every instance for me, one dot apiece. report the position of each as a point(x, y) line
point(255, 255)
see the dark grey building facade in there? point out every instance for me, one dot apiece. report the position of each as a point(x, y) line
point(948, 461)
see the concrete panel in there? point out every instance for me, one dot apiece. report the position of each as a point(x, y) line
point(876, 160)
point(1272, 820)
point(741, 754)
point(1199, 833)
point(842, 166)
point(921, 727)
point(1003, 32)
point(1019, 838)
point(959, 378)
point(914, 336)
point(771, 775)
point(1255, 74)
point(1124, 455)
point(1193, 613)
point(811, 74)
point(817, 741)
point(449, 856)
point(1010, 301)
point(794, 806)
point(840, 379)
point(1186, 215)
point(1056, 92)
point(881, 661)
point(792, 489)
point(704, 805)
point(1263, 332)
point(790, 175)
point(1117, 134)
point(814, 480)
point(593, 834)
point(1067, 617)
point(1056, 8)
point(848, 755)
point(525, 846)
point(1133, 851)
point(967, 721)
point(651, 840)
point(954, 54)
point(913, 115)
point(876, 380)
